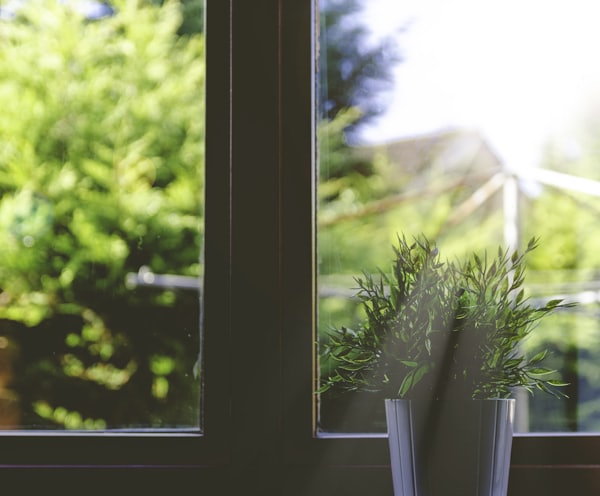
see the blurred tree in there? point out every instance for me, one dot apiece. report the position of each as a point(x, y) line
point(101, 173)
point(355, 67)
point(355, 76)
point(192, 16)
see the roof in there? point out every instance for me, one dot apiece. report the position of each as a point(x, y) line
point(448, 151)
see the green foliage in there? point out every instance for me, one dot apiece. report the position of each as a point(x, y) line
point(358, 69)
point(101, 173)
point(355, 74)
point(192, 16)
point(438, 329)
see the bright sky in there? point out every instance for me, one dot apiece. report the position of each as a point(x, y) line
point(514, 69)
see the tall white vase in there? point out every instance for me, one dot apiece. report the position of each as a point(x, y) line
point(450, 448)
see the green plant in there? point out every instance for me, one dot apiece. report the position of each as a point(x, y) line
point(437, 329)
point(101, 174)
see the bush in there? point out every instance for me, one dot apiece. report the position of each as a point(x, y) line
point(101, 173)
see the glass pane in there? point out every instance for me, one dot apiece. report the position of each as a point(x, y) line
point(475, 124)
point(101, 214)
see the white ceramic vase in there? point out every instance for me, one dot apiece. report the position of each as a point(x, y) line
point(450, 448)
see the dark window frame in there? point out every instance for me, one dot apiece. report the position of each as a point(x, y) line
point(259, 351)
point(166, 451)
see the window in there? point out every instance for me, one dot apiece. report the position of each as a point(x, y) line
point(430, 120)
point(176, 102)
point(259, 306)
point(476, 144)
point(101, 216)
